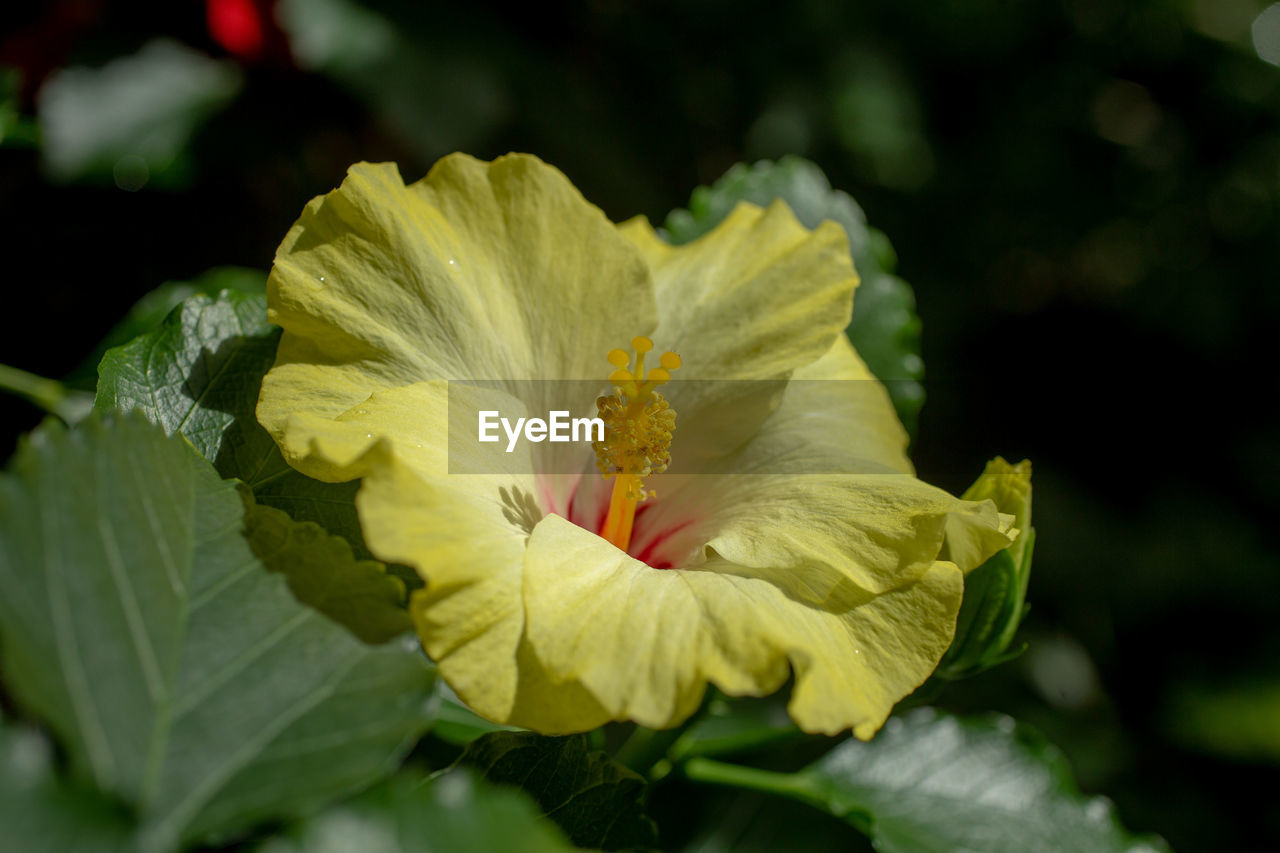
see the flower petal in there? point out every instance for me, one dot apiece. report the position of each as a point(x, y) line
point(466, 536)
point(645, 642)
point(840, 415)
point(757, 297)
point(824, 485)
point(876, 531)
point(463, 275)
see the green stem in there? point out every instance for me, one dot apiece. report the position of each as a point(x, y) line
point(734, 743)
point(45, 393)
point(646, 748)
point(801, 787)
point(714, 772)
point(48, 394)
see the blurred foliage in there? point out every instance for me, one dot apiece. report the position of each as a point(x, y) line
point(455, 812)
point(15, 129)
point(1238, 721)
point(130, 120)
point(435, 98)
point(1083, 194)
point(46, 814)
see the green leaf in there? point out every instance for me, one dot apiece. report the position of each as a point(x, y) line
point(323, 573)
point(433, 94)
point(195, 373)
point(41, 813)
point(130, 121)
point(149, 311)
point(885, 328)
point(596, 800)
point(199, 373)
point(935, 783)
point(453, 813)
point(180, 676)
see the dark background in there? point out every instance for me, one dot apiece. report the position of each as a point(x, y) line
point(1083, 194)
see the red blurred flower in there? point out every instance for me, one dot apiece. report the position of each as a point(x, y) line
point(244, 28)
point(236, 25)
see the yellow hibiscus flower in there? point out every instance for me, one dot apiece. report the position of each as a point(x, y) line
point(557, 599)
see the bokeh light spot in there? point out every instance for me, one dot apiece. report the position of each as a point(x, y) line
point(131, 173)
point(1266, 34)
point(1125, 113)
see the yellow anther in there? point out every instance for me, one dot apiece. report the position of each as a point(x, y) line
point(637, 435)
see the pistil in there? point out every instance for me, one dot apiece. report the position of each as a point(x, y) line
point(637, 440)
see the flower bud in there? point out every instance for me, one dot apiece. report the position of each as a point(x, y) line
point(995, 592)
